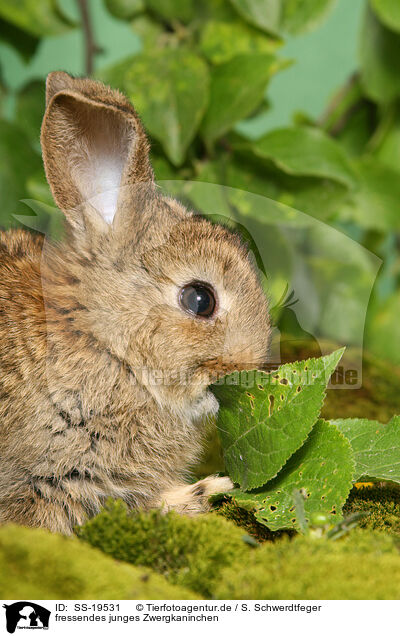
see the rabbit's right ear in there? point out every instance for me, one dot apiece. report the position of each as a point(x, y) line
point(93, 144)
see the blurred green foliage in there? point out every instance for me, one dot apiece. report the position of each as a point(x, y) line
point(203, 70)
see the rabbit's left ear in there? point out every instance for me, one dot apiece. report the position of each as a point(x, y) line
point(93, 145)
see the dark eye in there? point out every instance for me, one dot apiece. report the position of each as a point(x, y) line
point(198, 299)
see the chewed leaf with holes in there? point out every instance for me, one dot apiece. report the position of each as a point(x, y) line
point(376, 447)
point(265, 417)
point(322, 470)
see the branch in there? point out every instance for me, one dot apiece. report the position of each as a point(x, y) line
point(91, 48)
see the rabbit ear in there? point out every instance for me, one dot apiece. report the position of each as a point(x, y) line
point(56, 82)
point(93, 144)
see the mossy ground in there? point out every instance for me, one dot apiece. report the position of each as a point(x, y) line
point(151, 555)
point(36, 564)
point(213, 557)
point(382, 505)
point(189, 552)
point(364, 565)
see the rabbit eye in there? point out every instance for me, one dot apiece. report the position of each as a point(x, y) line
point(198, 299)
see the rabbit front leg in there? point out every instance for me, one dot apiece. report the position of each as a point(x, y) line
point(192, 499)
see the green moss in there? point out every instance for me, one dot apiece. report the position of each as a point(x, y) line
point(382, 505)
point(246, 520)
point(205, 555)
point(364, 565)
point(188, 551)
point(36, 564)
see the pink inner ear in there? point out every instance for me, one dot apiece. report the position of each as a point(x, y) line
point(98, 157)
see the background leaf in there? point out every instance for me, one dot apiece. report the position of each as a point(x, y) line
point(40, 18)
point(150, 33)
point(303, 15)
point(291, 16)
point(376, 447)
point(388, 12)
point(237, 87)
point(380, 60)
point(264, 14)
point(124, 9)
point(321, 469)
point(17, 162)
point(25, 43)
point(306, 151)
point(386, 140)
point(383, 328)
point(171, 116)
point(261, 426)
point(220, 41)
point(316, 196)
point(30, 109)
point(183, 10)
point(375, 204)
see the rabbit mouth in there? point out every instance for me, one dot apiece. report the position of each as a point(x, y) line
point(217, 367)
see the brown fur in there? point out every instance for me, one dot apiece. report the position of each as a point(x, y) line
point(84, 323)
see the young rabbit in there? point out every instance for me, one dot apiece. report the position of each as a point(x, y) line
point(109, 340)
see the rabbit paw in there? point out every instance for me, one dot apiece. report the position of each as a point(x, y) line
point(192, 499)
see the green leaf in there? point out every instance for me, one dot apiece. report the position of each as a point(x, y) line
point(215, 10)
point(29, 110)
point(264, 14)
point(149, 31)
point(3, 93)
point(320, 198)
point(46, 219)
point(17, 162)
point(306, 152)
point(262, 425)
point(317, 197)
point(164, 170)
point(356, 133)
point(292, 16)
point(388, 11)
point(39, 18)
point(383, 329)
point(385, 143)
point(376, 447)
point(25, 43)
point(321, 469)
point(380, 60)
point(237, 88)
point(375, 204)
point(169, 88)
point(343, 291)
point(173, 10)
point(343, 114)
point(124, 9)
point(38, 189)
point(220, 41)
point(247, 180)
point(304, 15)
